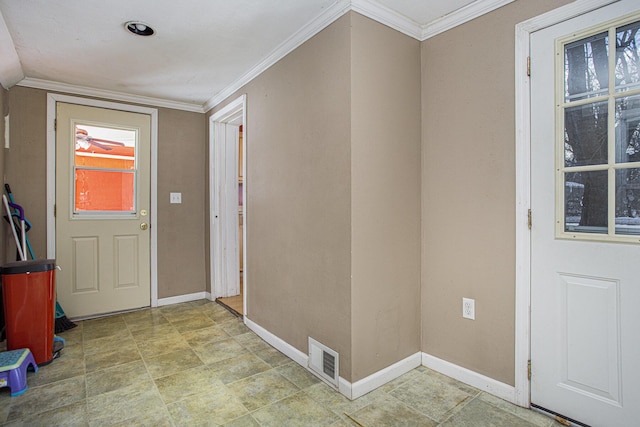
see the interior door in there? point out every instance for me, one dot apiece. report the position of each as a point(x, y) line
point(225, 211)
point(102, 209)
point(585, 188)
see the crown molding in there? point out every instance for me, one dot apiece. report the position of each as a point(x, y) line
point(389, 17)
point(10, 67)
point(307, 31)
point(371, 9)
point(107, 94)
point(11, 72)
point(554, 16)
point(460, 16)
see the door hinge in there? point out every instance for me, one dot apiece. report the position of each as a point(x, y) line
point(529, 219)
point(55, 124)
point(528, 66)
point(529, 369)
point(54, 210)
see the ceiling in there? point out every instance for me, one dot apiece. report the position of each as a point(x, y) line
point(202, 50)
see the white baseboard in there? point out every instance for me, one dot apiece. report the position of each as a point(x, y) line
point(474, 379)
point(282, 346)
point(383, 376)
point(293, 353)
point(349, 390)
point(379, 378)
point(183, 298)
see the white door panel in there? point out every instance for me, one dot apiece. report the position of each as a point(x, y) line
point(231, 218)
point(226, 261)
point(102, 210)
point(584, 291)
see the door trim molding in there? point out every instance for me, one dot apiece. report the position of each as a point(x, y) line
point(523, 31)
point(235, 112)
point(52, 99)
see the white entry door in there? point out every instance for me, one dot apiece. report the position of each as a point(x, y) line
point(102, 209)
point(585, 200)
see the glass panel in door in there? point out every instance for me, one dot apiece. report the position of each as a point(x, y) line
point(105, 170)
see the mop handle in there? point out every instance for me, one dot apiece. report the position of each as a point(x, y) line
point(13, 229)
point(23, 231)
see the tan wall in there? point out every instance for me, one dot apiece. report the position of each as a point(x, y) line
point(26, 161)
point(313, 269)
point(468, 191)
point(181, 167)
point(298, 195)
point(182, 164)
point(385, 196)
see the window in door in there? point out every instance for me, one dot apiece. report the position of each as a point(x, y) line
point(598, 133)
point(104, 170)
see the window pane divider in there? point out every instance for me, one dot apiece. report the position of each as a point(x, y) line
point(585, 101)
point(98, 169)
point(611, 134)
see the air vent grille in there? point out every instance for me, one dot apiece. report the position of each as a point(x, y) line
point(324, 362)
point(328, 364)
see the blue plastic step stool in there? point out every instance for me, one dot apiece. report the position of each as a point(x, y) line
point(13, 369)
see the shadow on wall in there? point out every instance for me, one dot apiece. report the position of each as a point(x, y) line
point(4, 124)
point(4, 103)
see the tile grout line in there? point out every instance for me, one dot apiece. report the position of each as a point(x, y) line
point(86, 384)
point(146, 367)
point(206, 366)
point(300, 390)
point(461, 407)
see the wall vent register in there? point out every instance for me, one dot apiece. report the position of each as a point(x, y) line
point(324, 362)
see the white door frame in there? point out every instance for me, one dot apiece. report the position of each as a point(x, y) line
point(523, 182)
point(52, 99)
point(233, 113)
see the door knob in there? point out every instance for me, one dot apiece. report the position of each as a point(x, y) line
point(144, 226)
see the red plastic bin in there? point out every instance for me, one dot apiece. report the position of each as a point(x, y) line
point(29, 289)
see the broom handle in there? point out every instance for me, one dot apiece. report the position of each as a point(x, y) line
point(24, 240)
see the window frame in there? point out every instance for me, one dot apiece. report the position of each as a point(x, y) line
point(103, 214)
point(611, 167)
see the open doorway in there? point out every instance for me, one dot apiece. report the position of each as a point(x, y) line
point(236, 302)
point(228, 208)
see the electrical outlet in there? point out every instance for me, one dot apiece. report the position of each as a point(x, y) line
point(175, 197)
point(469, 308)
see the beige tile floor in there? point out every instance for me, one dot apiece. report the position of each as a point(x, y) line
point(195, 364)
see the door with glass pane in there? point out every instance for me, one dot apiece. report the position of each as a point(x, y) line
point(585, 200)
point(102, 209)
